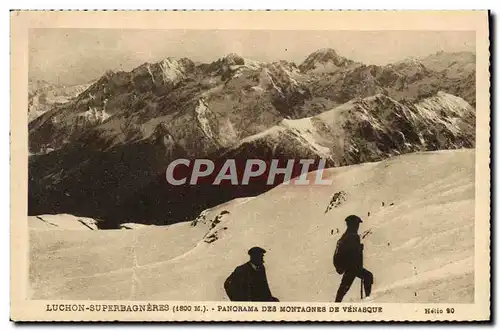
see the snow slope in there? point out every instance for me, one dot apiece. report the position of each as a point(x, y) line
point(420, 245)
point(61, 222)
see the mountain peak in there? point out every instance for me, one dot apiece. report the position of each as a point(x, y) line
point(233, 58)
point(326, 52)
point(324, 57)
point(409, 61)
point(231, 65)
point(108, 73)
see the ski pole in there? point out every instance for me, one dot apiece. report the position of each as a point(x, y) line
point(361, 288)
point(361, 271)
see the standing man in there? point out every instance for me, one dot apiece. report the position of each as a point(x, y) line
point(248, 282)
point(348, 259)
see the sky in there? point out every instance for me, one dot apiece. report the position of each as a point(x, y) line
point(76, 56)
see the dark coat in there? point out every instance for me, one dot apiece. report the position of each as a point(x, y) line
point(248, 284)
point(350, 251)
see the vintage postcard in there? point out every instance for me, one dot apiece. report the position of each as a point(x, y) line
point(250, 166)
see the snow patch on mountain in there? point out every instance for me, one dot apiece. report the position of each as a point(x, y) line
point(290, 75)
point(202, 113)
point(456, 105)
point(432, 108)
point(150, 73)
point(257, 88)
point(274, 131)
point(95, 115)
point(172, 71)
point(248, 64)
point(233, 66)
point(269, 78)
point(288, 71)
point(227, 133)
point(252, 64)
point(307, 134)
point(302, 131)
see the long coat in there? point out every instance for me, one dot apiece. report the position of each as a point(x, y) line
point(349, 250)
point(248, 284)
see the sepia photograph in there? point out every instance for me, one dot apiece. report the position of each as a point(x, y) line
point(254, 168)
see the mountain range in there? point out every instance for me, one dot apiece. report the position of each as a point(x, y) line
point(103, 152)
point(44, 96)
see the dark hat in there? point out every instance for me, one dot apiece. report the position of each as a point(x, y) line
point(256, 251)
point(353, 219)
